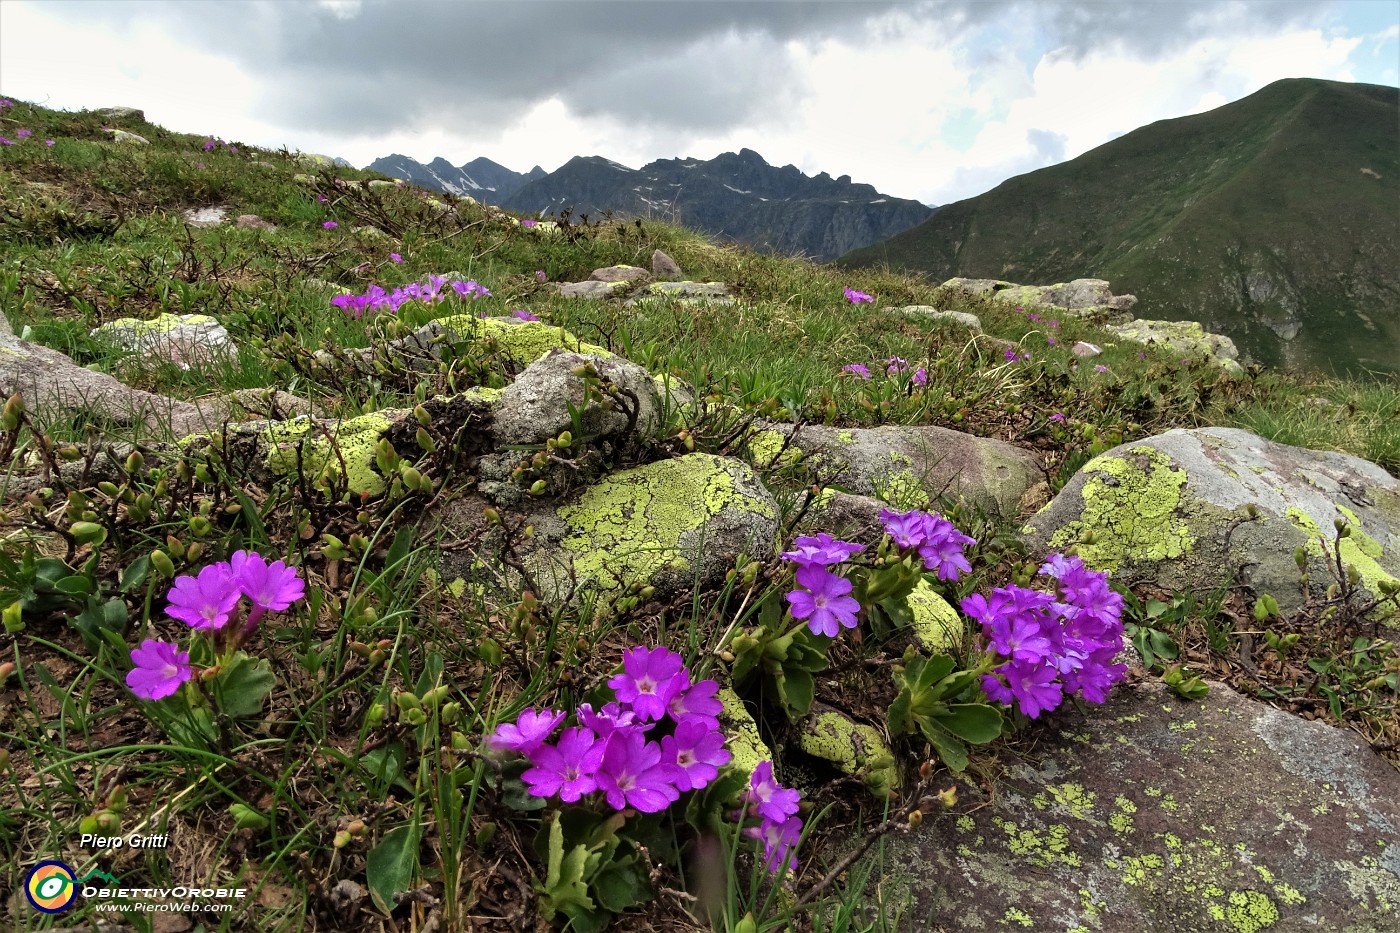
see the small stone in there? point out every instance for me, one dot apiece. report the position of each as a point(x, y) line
point(205, 216)
point(664, 267)
point(619, 274)
point(1084, 350)
point(253, 222)
point(121, 113)
point(971, 321)
point(590, 289)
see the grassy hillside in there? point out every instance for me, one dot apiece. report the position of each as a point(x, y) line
point(310, 799)
point(1274, 220)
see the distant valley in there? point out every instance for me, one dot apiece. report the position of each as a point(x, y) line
point(734, 196)
point(1274, 220)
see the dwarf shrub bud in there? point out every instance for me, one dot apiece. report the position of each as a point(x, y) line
point(916, 818)
point(425, 440)
point(538, 487)
point(6, 670)
point(193, 552)
point(422, 416)
point(342, 839)
point(14, 618)
point(88, 533)
point(374, 716)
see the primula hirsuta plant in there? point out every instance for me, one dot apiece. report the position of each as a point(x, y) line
point(208, 602)
point(435, 289)
point(659, 738)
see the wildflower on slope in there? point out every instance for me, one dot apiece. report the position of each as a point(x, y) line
point(822, 601)
point(895, 364)
point(6, 102)
point(395, 257)
point(920, 377)
point(821, 549)
point(648, 681)
point(567, 769)
point(160, 669)
point(6, 141)
point(272, 586)
point(697, 751)
point(48, 142)
point(860, 369)
point(697, 702)
point(856, 298)
point(527, 733)
point(20, 134)
point(330, 225)
point(632, 774)
point(774, 802)
point(523, 315)
point(778, 840)
point(204, 601)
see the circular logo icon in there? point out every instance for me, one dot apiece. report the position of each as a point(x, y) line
point(50, 887)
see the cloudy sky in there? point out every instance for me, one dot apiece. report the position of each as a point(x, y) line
point(929, 100)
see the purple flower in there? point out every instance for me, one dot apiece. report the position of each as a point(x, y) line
point(856, 298)
point(611, 718)
point(920, 377)
point(1049, 341)
point(697, 702)
point(632, 774)
point(823, 601)
point(908, 529)
point(860, 369)
point(209, 144)
point(1010, 355)
point(6, 102)
point(205, 601)
point(1100, 368)
point(1034, 688)
point(527, 733)
point(320, 199)
point(1054, 323)
point(648, 681)
point(569, 769)
point(540, 276)
point(528, 223)
point(48, 142)
point(779, 839)
point(774, 802)
point(523, 315)
point(272, 586)
point(330, 225)
point(1057, 416)
point(895, 364)
point(160, 669)
point(395, 257)
point(1019, 638)
point(6, 141)
point(697, 752)
point(20, 134)
point(822, 549)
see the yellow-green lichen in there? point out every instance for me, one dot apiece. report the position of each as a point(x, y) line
point(628, 526)
point(521, 342)
point(1039, 849)
point(1131, 509)
point(1250, 911)
point(1069, 797)
point(1359, 550)
point(764, 449)
point(157, 325)
point(936, 625)
point(1017, 915)
point(352, 441)
point(745, 746)
point(901, 488)
point(855, 748)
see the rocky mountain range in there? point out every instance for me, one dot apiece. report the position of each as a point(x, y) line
point(734, 196)
point(1274, 220)
point(479, 178)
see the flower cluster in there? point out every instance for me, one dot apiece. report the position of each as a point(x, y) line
point(214, 142)
point(376, 298)
point(205, 603)
point(21, 134)
point(857, 298)
point(1054, 646)
point(821, 595)
point(936, 539)
point(893, 367)
point(779, 827)
point(611, 752)
point(1016, 356)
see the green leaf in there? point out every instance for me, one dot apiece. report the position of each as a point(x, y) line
point(385, 763)
point(796, 688)
point(976, 723)
point(620, 884)
point(390, 865)
point(950, 750)
point(563, 883)
point(245, 817)
point(135, 573)
point(242, 685)
point(99, 617)
point(74, 585)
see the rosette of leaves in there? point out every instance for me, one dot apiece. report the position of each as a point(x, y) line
point(934, 701)
point(593, 870)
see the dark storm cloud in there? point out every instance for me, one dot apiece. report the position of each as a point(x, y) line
point(678, 65)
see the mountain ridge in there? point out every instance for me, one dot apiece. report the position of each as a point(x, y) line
point(1274, 220)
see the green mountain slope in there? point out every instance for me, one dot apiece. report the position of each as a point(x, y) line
point(1274, 220)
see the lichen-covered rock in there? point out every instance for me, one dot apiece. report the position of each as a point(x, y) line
point(741, 736)
point(663, 267)
point(592, 289)
point(855, 748)
point(935, 624)
point(205, 216)
point(518, 342)
point(1150, 813)
point(54, 386)
point(1188, 338)
point(909, 467)
point(971, 321)
point(671, 525)
point(122, 136)
point(1088, 299)
point(688, 289)
point(535, 407)
point(1173, 507)
point(186, 340)
point(620, 274)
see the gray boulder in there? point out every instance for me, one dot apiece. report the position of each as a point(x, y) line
point(971, 321)
point(910, 467)
point(664, 267)
point(186, 340)
point(1150, 813)
point(1173, 509)
point(1188, 338)
point(535, 407)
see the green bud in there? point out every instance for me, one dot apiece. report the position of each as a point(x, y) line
point(1252, 510)
point(538, 487)
point(108, 488)
point(193, 552)
point(421, 413)
point(135, 462)
point(13, 409)
point(449, 712)
point(412, 479)
point(341, 840)
point(460, 741)
point(425, 440)
point(1353, 575)
point(374, 716)
point(566, 439)
point(1343, 529)
point(200, 526)
point(14, 618)
point(1300, 557)
point(488, 650)
point(485, 834)
point(88, 533)
point(435, 696)
point(407, 701)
